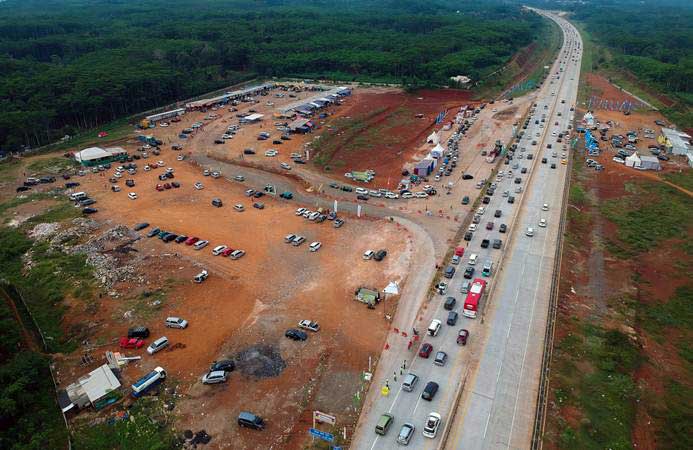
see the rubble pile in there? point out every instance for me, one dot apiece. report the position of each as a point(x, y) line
point(44, 230)
point(81, 228)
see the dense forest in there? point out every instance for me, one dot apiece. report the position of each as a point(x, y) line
point(74, 64)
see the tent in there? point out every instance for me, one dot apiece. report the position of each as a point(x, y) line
point(437, 151)
point(391, 288)
point(433, 138)
point(633, 160)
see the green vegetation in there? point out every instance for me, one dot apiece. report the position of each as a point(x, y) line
point(145, 429)
point(655, 213)
point(682, 179)
point(68, 66)
point(54, 166)
point(648, 48)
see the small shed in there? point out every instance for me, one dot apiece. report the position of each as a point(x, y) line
point(98, 388)
point(649, 163)
point(423, 168)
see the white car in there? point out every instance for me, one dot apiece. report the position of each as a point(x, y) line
point(118, 175)
point(237, 254)
point(176, 322)
point(368, 254)
point(238, 207)
point(391, 195)
point(160, 163)
point(421, 195)
point(545, 207)
point(180, 157)
point(542, 223)
point(271, 153)
point(199, 186)
point(530, 231)
point(300, 211)
point(315, 246)
point(163, 124)
point(199, 245)
point(285, 166)
point(407, 195)
point(472, 227)
point(481, 210)
point(147, 168)
point(361, 191)
point(200, 277)
point(218, 250)
point(309, 325)
point(432, 424)
point(132, 196)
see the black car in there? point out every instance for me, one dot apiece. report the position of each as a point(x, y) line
point(469, 272)
point(523, 170)
point(485, 243)
point(248, 151)
point(296, 335)
point(553, 165)
point(276, 142)
point(71, 184)
point(258, 205)
point(140, 226)
point(89, 210)
point(227, 365)
point(497, 213)
point(362, 197)
point(23, 188)
point(530, 156)
point(503, 228)
point(258, 194)
point(130, 183)
point(169, 237)
point(543, 160)
point(380, 255)
point(138, 332)
point(518, 180)
point(466, 176)
point(180, 239)
point(449, 304)
point(511, 199)
point(497, 243)
point(153, 232)
point(175, 184)
point(299, 161)
point(218, 141)
point(452, 318)
point(347, 188)
point(468, 236)
point(430, 391)
point(486, 200)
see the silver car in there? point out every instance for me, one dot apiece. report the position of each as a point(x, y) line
point(405, 434)
point(214, 377)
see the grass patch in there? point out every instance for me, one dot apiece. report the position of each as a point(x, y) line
point(682, 179)
point(55, 166)
point(677, 417)
point(63, 211)
point(654, 213)
point(21, 200)
point(148, 428)
point(8, 168)
point(578, 196)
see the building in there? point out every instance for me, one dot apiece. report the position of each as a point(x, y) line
point(301, 126)
point(461, 79)
point(677, 142)
point(424, 168)
point(649, 163)
point(94, 156)
point(165, 115)
point(99, 388)
point(324, 98)
point(229, 96)
point(251, 118)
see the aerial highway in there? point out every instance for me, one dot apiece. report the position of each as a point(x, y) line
point(488, 389)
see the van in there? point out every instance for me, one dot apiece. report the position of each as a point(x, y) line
point(157, 345)
point(78, 196)
point(384, 424)
point(465, 286)
point(472, 259)
point(488, 268)
point(410, 381)
point(434, 327)
point(250, 420)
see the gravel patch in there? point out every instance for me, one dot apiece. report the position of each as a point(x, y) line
point(260, 361)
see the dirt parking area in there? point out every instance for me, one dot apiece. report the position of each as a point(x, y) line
point(244, 307)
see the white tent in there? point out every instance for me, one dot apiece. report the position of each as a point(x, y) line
point(633, 160)
point(433, 138)
point(391, 288)
point(437, 151)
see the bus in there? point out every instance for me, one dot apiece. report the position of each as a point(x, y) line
point(471, 303)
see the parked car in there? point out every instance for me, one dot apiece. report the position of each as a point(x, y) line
point(157, 345)
point(380, 255)
point(200, 277)
point(462, 336)
point(214, 377)
point(226, 365)
point(296, 335)
point(315, 246)
point(132, 343)
point(237, 254)
point(309, 325)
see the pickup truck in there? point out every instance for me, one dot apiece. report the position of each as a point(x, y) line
point(309, 325)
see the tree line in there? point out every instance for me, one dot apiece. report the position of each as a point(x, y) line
point(71, 65)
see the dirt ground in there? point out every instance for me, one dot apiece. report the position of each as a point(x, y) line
point(245, 304)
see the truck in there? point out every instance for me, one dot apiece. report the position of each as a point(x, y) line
point(471, 302)
point(151, 140)
point(145, 383)
point(370, 297)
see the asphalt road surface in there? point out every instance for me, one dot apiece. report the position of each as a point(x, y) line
point(497, 409)
point(499, 402)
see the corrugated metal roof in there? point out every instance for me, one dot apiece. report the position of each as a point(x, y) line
point(99, 382)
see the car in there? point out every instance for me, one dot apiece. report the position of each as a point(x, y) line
point(237, 254)
point(486, 200)
point(441, 288)
point(225, 365)
point(465, 200)
point(296, 335)
point(227, 251)
point(384, 423)
point(432, 424)
point(191, 240)
point(543, 160)
point(338, 223)
point(425, 350)
point(405, 434)
point(485, 243)
point(218, 250)
point(472, 227)
point(214, 377)
point(511, 199)
point(430, 390)
point(497, 243)
point(368, 254)
point(132, 196)
point(315, 246)
point(200, 277)
point(181, 239)
point(462, 336)
point(497, 213)
point(489, 225)
point(380, 255)
point(133, 343)
point(503, 228)
point(469, 272)
point(199, 245)
point(553, 165)
point(238, 207)
point(285, 166)
point(198, 186)
point(159, 187)
point(309, 325)
point(287, 195)
point(409, 381)
point(298, 240)
point(157, 345)
point(140, 226)
point(239, 178)
point(452, 318)
point(542, 223)
point(449, 304)
point(176, 322)
point(529, 232)
point(440, 359)
point(545, 207)
point(468, 236)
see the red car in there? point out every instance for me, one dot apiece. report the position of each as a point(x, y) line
point(167, 186)
point(489, 226)
point(131, 342)
point(159, 187)
point(462, 336)
point(227, 252)
point(191, 240)
point(426, 350)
